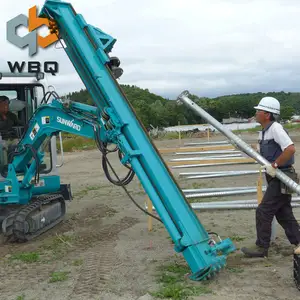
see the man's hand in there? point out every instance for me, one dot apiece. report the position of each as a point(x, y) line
point(270, 170)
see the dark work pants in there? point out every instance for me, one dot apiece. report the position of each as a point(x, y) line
point(274, 203)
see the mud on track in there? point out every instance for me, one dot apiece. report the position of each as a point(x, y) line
point(105, 251)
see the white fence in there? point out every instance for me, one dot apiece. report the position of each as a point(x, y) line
point(204, 127)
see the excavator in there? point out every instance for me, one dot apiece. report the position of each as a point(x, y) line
point(32, 197)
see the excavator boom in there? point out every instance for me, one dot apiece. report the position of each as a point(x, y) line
point(114, 121)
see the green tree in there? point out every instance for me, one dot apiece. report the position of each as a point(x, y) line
point(158, 111)
point(287, 112)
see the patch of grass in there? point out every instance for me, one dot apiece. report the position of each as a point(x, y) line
point(254, 129)
point(169, 135)
point(60, 240)
point(87, 189)
point(235, 270)
point(268, 265)
point(58, 276)
point(198, 185)
point(237, 238)
point(58, 245)
point(72, 143)
point(178, 269)
point(172, 135)
point(77, 262)
point(178, 291)
point(292, 126)
point(22, 297)
point(289, 126)
point(174, 285)
point(27, 257)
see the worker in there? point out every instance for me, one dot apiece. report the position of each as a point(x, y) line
point(276, 146)
point(7, 121)
point(7, 118)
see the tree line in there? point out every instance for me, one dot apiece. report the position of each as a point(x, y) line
point(160, 112)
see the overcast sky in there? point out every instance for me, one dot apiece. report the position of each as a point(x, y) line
point(209, 47)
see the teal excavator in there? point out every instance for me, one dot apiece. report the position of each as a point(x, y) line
point(32, 197)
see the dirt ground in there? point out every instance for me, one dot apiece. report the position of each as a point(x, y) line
point(103, 249)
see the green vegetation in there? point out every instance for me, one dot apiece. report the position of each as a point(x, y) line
point(254, 129)
point(237, 238)
point(174, 284)
point(27, 257)
point(86, 190)
point(235, 270)
point(74, 142)
point(58, 276)
point(160, 112)
point(292, 126)
point(257, 128)
point(156, 111)
point(57, 246)
point(77, 262)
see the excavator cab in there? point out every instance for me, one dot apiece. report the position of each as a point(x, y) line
point(25, 92)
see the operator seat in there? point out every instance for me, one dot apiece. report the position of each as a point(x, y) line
point(16, 105)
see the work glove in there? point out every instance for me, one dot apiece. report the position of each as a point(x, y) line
point(270, 170)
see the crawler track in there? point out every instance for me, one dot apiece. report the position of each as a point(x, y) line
point(19, 225)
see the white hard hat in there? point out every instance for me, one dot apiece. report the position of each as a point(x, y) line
point(269, 104)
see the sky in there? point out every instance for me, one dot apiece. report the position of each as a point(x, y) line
point(208, 47)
